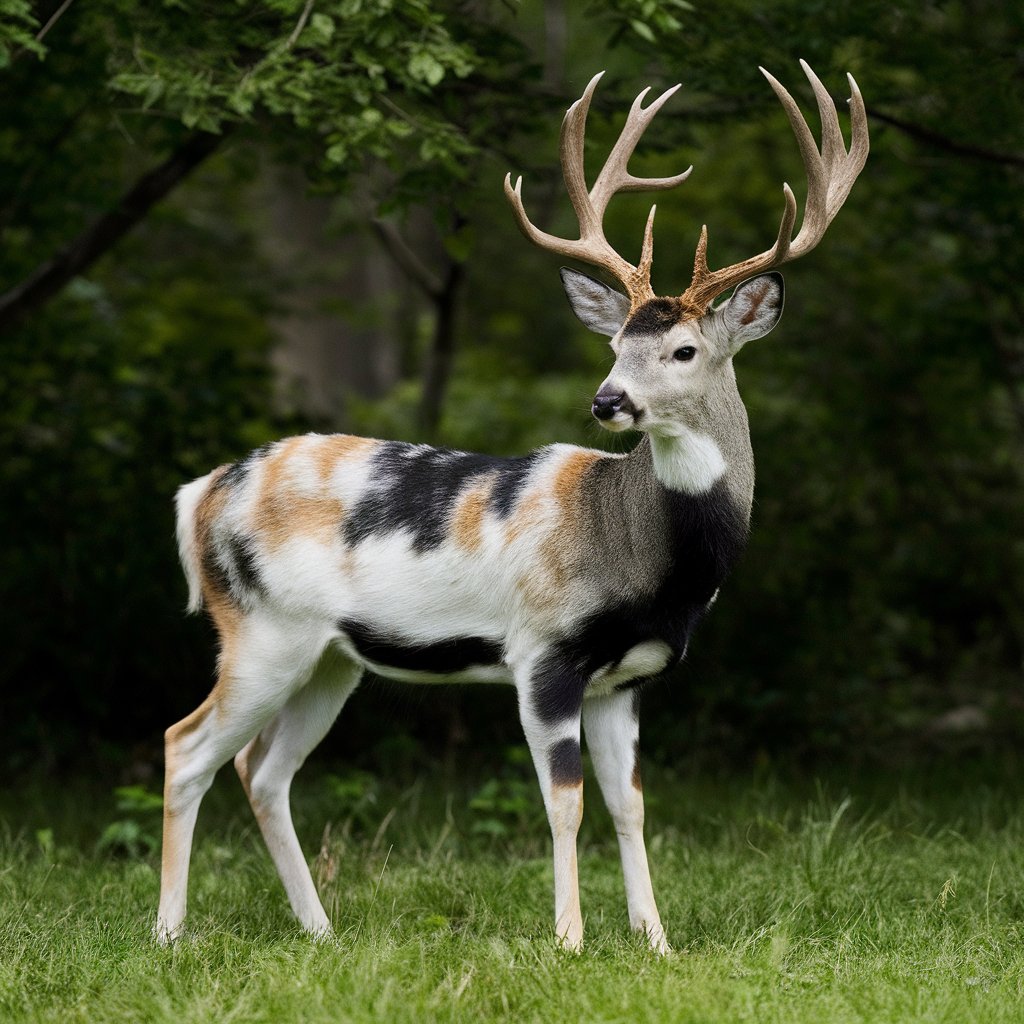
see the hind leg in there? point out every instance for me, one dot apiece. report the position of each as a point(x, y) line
point(271, 663)
point(268, 763)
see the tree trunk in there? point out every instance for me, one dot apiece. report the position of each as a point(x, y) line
point(442, 349)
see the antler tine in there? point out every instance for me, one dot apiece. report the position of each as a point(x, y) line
point(817, 182)
point(592, 246)
point(860, 143)
point(831, 173)
point(832, 144)
point(614, 176)
point(647, 253)
point(573, 134)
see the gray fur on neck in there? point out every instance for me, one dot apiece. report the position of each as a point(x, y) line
point(721, 415)
point(627, 520)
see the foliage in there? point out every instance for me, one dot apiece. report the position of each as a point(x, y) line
point(885, 577)
point(137, 834)
point(355, 797)
point(106, 404)
point(332, 72)
point(16, 31)
point(508, 803)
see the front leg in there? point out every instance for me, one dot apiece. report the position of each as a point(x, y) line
point(613, 738)
point(550, 698)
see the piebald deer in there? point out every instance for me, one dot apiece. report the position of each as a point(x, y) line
point(573, 574)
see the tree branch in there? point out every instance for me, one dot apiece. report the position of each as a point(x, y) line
point(50, 277)
point(412, 266)
point(54, 18)
point(916, 131)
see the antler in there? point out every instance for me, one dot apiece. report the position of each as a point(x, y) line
point(592, 246)
point(830, 176)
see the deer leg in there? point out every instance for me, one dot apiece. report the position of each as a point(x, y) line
point(251, 688)
point(549, 708)
point(612, 729)
point(268, 763)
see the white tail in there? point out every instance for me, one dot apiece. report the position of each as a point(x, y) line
point(185, 502)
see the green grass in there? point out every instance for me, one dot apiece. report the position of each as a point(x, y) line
point(871, 901)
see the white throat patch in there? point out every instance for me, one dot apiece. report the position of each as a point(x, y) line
point(687, 461)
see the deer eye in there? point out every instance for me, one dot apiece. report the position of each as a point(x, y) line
point(684, 354)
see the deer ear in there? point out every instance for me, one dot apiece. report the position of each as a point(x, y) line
point(602, 309)
point(752, 310)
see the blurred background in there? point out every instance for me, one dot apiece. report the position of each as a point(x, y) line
point(221, 223)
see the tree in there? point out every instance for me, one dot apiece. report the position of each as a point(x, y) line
point(884, 579)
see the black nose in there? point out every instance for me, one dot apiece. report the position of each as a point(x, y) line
point(607, 404)
point(608, 401)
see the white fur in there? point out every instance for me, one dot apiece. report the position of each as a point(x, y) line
point(612, 731)
point(185, 502)
point(640, 662)
point(687, 461)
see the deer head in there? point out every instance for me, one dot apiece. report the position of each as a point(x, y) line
point(673, 354)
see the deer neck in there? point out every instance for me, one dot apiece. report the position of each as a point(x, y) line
point(710, 451)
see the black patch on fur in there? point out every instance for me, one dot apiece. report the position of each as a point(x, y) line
point(247, 572)
point(510, 483)
point(443, 657)
point(235, 571)
point(565, 763)
point(414, 488)
point(557, 688)
point(654, 317)
point(238, 471)
point(709, 532)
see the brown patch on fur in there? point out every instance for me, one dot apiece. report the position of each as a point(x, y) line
point(282, 512)
point(209, 505)
point(333, 448)
point(468, 521)
point(220, 606)
point(543, 589)
point(227, 620)
point(637, 784)
point(530, 513)
point(570, 473)
point(187, 726)
point(286, 514)
point(208, 509)
point(756, 298)
point(247, 763)
point(559, 547)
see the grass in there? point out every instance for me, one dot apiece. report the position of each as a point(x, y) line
point(874, 900)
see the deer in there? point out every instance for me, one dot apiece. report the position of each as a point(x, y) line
point(575, 575)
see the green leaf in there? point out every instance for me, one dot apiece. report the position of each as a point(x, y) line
point(321, 29)
point(642, 29)
point(425, 67)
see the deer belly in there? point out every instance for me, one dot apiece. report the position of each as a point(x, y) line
point(450, 659)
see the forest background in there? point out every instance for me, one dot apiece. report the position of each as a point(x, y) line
point(224, 222)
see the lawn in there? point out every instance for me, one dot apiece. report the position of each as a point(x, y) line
point(877, 899)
